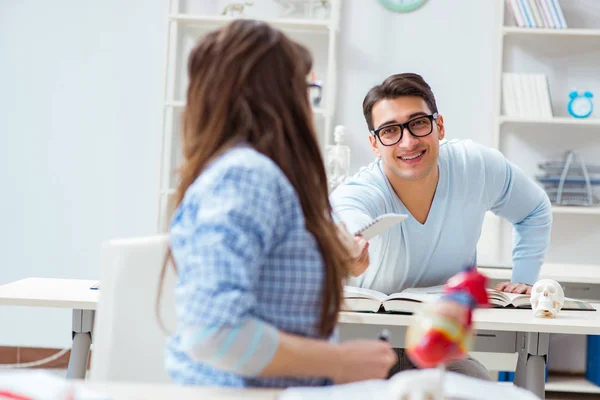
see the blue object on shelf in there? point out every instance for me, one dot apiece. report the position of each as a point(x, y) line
point(580, 105)
point(592, 367)
point(508, 376)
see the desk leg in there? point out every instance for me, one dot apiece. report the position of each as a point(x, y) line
point(531, 366)
point(83, 323)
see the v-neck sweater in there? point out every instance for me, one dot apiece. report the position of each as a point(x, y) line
point(473, 179)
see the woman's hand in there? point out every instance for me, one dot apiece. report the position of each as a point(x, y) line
point(360, 360)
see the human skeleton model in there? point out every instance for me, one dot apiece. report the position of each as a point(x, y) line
point(236, 9)
point(289, 6)
point(442, 333)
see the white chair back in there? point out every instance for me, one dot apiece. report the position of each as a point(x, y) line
point(128, 342)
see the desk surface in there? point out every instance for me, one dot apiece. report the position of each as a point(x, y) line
point(46, 292)
point(569, 322)
point(147, 391)
point(563, 273)
point(76, 294)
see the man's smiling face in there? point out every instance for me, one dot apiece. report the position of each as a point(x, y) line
point(412, 158)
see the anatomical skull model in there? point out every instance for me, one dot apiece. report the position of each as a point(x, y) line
point(547, 298)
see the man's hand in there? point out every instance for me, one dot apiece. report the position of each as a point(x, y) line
point(359, 264)
point(358, 248)
point(514, 287)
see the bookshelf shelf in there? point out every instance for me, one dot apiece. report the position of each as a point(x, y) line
point(570, 384)
point(513, 30)
point(550, 121)
point(186, 23)
point(319, 111)
point(576, 210)
point(175, 104)
point(559, 41)
point(304, 24)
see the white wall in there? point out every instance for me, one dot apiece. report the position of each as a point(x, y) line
point(452, 44)
point(80, 120)
point(80, 104)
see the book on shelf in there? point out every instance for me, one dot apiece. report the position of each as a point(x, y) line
point(411, 300)
point(537, 13)
point(526, 95)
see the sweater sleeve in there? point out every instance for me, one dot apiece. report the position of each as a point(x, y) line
point(521, 201)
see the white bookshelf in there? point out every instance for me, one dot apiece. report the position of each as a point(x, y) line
point(317, 111)
point(281, 23)
point(527, 141)
point(569, 59)
point(552, 121)
point(570, 384)
point(188, 20)
point(513, 30)
point(576, 210)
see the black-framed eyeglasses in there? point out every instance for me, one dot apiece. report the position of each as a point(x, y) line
point(391, 134)
point(315, 90)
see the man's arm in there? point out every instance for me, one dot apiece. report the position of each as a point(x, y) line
point(524, 203)
point(353, 208)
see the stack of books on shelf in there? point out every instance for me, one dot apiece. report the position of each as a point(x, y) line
point(537, 13)
point(526, 95)
point(571, 182)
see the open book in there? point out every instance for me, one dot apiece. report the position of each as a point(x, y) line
point(411, 300)
point(407, 301)
point(510, 300)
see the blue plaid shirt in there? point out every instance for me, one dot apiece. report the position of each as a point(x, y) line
point(242, 250)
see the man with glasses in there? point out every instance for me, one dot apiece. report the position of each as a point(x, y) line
point(445, 189)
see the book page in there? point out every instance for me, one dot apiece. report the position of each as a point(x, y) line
point(356, 292)
point(418, 297)
point(575, 304)
point(455, 386)
point(435, 290)
point(423, 295)
point(498, 298)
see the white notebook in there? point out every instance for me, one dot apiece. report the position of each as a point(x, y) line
point(380, 225)
point(455, 386)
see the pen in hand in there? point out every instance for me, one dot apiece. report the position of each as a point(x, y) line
point(384, 335)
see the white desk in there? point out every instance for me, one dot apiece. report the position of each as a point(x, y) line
point(563, 273)
point(498, 330)
point(73, 294)
point(138, 391)
point(508, 331)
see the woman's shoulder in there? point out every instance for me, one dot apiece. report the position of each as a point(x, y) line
point(240, 165)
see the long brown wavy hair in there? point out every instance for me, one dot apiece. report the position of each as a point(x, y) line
point(247, 83)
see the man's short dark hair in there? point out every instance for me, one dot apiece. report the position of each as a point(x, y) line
point(407, 84)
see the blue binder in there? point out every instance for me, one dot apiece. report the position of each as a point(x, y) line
point(592, 367)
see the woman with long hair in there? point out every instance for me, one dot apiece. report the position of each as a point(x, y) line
point(259, 259)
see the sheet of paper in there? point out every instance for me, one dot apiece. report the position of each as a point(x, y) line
point(456, 387)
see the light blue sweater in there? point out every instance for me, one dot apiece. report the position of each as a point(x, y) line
point(473, 179)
